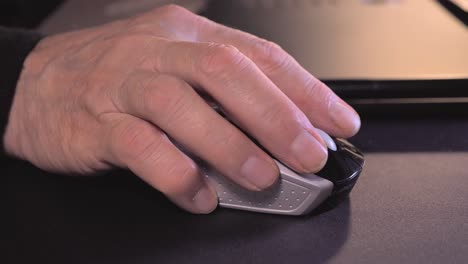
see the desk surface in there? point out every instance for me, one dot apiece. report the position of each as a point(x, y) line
point(410, 205)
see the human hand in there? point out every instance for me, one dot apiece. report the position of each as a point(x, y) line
point(112, 95)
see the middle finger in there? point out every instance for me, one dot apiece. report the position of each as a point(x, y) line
point(248, 97)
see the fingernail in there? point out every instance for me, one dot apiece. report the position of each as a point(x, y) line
point(310, 153)
point(345, 117)
point(205, 200)
point(259, 172)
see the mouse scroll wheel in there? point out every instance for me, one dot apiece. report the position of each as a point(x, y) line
point(328, 140)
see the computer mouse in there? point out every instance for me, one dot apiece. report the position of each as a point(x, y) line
point(293, 193)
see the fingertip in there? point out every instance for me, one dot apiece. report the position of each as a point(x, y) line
point(345, 118)
point(205, 200)
point(316, 134)
point(260, 172)
point(309, 149)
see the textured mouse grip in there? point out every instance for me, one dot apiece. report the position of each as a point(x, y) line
point(292, 194)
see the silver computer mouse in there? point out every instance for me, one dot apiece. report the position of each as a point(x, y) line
point(296, 194)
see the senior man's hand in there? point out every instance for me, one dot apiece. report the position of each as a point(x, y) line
point(113, 95)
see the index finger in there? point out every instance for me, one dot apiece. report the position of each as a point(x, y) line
point(321, 105)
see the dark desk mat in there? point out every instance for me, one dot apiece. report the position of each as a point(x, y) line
point(421, 134)
point(407, 207)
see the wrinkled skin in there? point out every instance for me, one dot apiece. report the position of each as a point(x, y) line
point(122, 93)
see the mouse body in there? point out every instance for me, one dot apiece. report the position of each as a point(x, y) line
point(293, 193)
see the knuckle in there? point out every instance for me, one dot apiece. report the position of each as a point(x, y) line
point(228, 139)
point(270, 56)
point(182, 178)
point(166, 96)
point(34, 62)
point(135, 143)
point(275, 115)
point(154, 95)
point(175, 18)
point(92, 90)
point(231, 149)
point(220, 58)
point(52, 73)
point(314, 88)
point(173, 11)
point(91, 100)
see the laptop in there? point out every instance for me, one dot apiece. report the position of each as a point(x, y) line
point(373, 53)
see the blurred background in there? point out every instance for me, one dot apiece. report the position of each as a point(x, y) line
point(382, 56)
